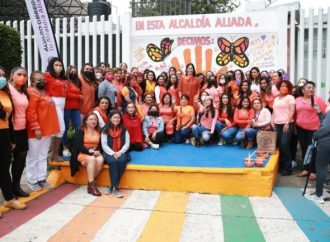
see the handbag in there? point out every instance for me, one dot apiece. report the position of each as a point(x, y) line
point(266, 141)
point(309, 153)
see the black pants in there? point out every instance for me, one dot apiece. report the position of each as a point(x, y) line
point(19, 153)
point(158, 139)
point(283, 142)
point(305, 138)
point(5, 156)
point(116, 168)
point(136, 147)
point(322, 161)
point(294, 143)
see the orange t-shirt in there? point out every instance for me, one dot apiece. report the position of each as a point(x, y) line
point(189, 86)
point(183, 115)
point(88, 92)
point(7, 107)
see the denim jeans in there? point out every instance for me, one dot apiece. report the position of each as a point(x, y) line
point(197, 130)
point(229, 133)
point(322, 161)
point(117, 168)
point(180, 136)
point(74, 116)
point(250, 133)
point(283, 142)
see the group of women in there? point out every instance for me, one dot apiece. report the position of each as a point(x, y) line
point(114, 111)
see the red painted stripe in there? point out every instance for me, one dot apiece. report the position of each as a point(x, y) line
point(15, 218)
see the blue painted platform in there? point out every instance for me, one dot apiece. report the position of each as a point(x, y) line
point(186, 155)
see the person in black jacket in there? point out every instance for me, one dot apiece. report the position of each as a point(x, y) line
point(87, 151)
point(322, 137)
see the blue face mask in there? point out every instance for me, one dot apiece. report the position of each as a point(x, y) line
point(3, 82)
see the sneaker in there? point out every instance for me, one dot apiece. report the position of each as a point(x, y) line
point(235, 142)
point(187, 141)
point(108, 190)
point(35, 187)
point(154, 146)
point(45, 185)
point(66, 153)
point(14, 204)
point(221, 142)
point(314, 198)
point(118, 194)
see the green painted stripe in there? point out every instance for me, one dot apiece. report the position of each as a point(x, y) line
point(239, 222)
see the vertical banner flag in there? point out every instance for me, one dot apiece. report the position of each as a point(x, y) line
point(42, 30)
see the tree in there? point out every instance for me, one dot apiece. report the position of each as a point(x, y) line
point(10, 48)
point(181, 7)
point(213, 6)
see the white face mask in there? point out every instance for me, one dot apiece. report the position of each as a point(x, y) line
point(98, 75)
point(222, 81)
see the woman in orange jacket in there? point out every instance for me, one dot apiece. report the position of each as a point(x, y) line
point(42, 123)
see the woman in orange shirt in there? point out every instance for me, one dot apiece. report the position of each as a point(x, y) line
point(245, 91)
point(266, 94)
point(88, 89)
point(172, 89)
point(242, 117)
point(185, 117)
point(166, 111)
point(42, 123)
point(87, 151)
point(189, 85)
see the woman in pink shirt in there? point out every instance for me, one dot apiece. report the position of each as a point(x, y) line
point(207, 118)
point(17, 87)
point(166, 110)
point(262, 117)
point(214, 91)
point(282, 122)
point(308, 109)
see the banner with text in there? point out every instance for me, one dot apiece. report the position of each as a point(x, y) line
point(212, 42)
point(42, 30)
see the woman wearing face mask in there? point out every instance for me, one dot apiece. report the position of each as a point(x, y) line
point(214, 91)
point(207, 117)
point(160, 89)
point(42, 123)
point(147, 101)
point(102, 110)
point(107, 88)
point(88, 89)
point(282, 122)
point(239, 76)
point(133, 122)
point(226, 119)
point(189, 85)
point(172, 89)
point(242, 117)
point(72, 105)
point(56, 88)
point(6, 144)
point(309, 108)
point(17, 87)
point(115, 144)
point(153, 127)
point(98, 76)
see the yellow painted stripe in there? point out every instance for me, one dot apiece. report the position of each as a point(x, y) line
point(85, 225)
point(166, 221)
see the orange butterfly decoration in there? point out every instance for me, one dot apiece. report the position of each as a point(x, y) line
point(157, 54)
point(233, 52)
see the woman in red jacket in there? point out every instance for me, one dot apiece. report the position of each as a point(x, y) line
point(72, 105)
point(88, 89)
point(42, 123)
point(242, 117)
point(133, 123)
point(56, 88)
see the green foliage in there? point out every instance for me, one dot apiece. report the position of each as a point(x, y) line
point(213, 6)
point(176, 7)
point(10, 48)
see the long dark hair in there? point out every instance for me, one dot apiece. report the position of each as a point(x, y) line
point(257, 70)
point(194, 70)
point(109, 124)
point(50, 68)
point(86, 79)
point(268, 89)
point(230, 109)
point(240, 105)
point(110, 105)
point(215, 82)
point(248, 92)
point(211, 109)
point(75, 81)
point(169, 84)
